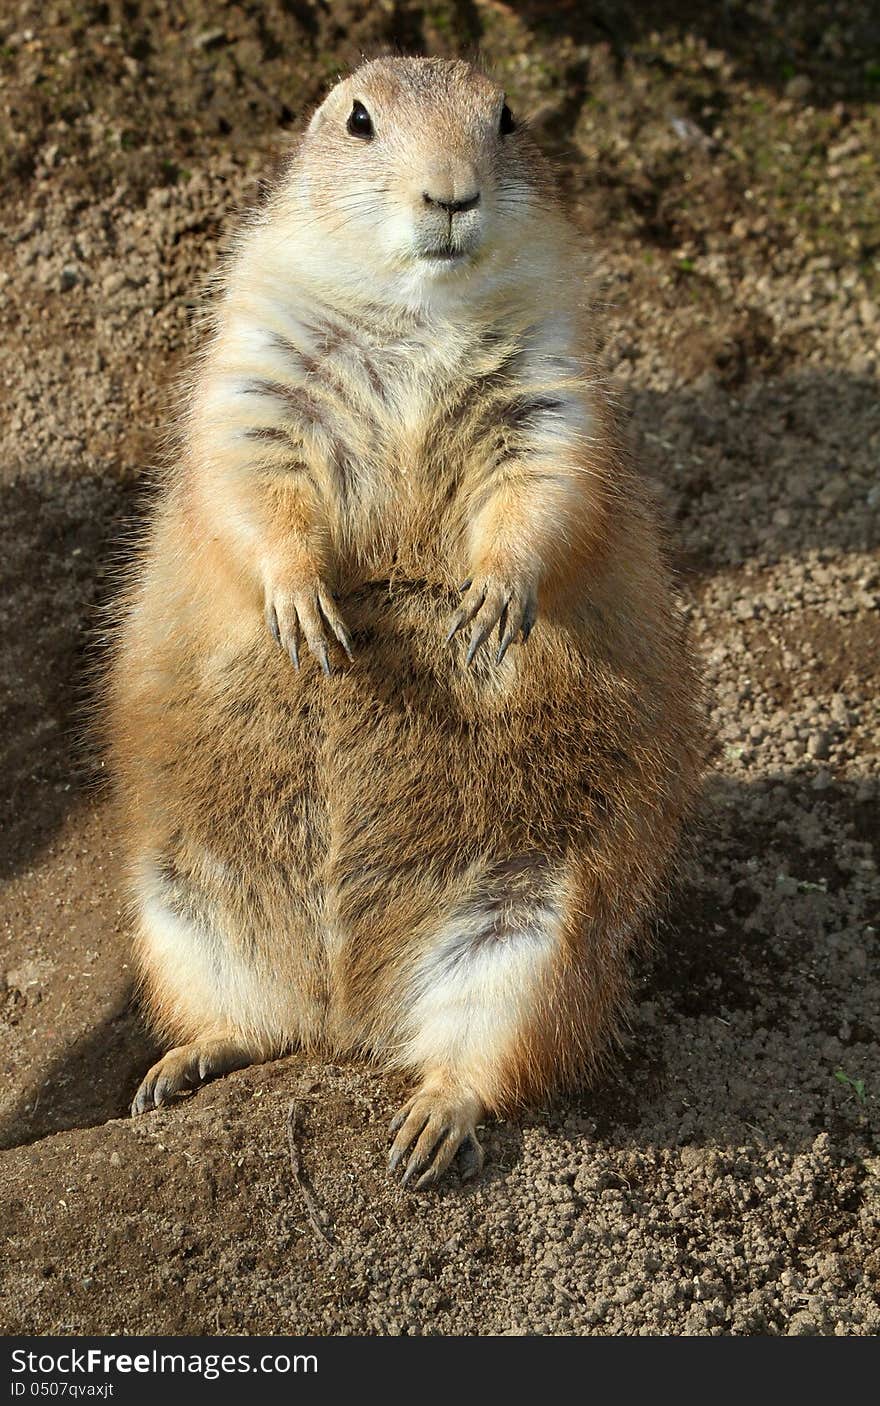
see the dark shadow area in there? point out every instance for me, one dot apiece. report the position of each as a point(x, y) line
point(768, 466)
point(830, 44)
point(93, 1080)
point(58, 540)
point(406, 28)
point(763, 982)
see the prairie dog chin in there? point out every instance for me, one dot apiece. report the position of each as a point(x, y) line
point(362, 814)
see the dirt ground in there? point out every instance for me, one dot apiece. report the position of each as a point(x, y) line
point(724, 1178)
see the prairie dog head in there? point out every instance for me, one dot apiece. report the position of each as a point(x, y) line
point(414, 170)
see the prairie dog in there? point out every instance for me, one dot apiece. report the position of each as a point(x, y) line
point(361, 814)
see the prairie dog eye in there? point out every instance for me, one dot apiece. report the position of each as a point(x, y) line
point(507, 123)
point(360, 123)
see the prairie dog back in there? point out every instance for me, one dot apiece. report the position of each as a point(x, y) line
point(361, 812)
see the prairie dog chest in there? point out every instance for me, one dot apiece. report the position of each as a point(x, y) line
point(389, 387)
point(362, 402)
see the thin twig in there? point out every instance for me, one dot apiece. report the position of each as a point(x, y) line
point(313, 1210)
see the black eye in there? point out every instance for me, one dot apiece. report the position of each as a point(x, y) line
point(507, 124)
point(359, 122)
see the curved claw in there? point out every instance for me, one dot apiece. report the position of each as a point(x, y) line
point(481, 633)
point(184, 1068)
point(512, 621)
point(336, 623)
point(423, 1152)
point(433, 1127)
point(272, 623)
point(494, 601)
point(529, 618)
point(400, 1118)
point(467, 610)
point(310, 612)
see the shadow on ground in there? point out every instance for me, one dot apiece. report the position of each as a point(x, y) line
point(93, 1080)
point(58, 539)
point(768, 45)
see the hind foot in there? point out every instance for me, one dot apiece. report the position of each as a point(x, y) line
point(187, 1067)
point(441, 1120)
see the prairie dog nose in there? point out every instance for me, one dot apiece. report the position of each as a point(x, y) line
point(452, 207)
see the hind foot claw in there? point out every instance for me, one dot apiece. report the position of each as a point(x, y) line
point(185, 1068)
point(434, 1126)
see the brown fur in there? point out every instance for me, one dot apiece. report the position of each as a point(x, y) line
point(317, 832)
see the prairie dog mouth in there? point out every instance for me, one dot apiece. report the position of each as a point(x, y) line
point(449, 256)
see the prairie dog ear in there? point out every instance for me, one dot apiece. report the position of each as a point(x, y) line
point(317, 120)
point(319, 116)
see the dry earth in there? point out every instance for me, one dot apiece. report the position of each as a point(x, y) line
point(724, 1178)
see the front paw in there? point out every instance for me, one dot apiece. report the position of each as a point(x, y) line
point(505, 601)
point(306, 612)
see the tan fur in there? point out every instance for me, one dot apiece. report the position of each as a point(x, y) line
point(440, 866)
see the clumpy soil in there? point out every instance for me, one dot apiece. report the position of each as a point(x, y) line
point(723, 1178)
